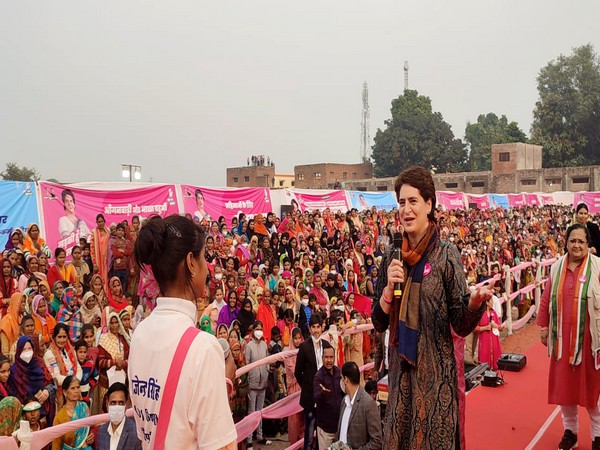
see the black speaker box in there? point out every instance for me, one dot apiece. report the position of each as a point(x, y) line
point(512, 362)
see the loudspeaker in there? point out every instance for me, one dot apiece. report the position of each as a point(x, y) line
point(512, 362)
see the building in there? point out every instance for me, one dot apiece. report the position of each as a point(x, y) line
point(284, 180)
point(330, 175)
point(516, 167)
point(251, 176)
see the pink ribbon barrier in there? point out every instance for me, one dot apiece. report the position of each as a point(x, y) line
point(496, 278)
point(523, 265)
point(8, 443)
point(548, 262)
point(527, 289)
point(285, 407)
point(44, 437)
point(523, 320)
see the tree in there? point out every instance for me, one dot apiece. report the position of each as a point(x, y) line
point(566, 118)
point(489, 130)
point(15, 173)
point(416, 134)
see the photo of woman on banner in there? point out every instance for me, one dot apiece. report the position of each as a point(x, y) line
point(70, 223)
point(200, 214)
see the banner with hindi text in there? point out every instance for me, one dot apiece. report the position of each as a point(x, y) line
point(210, 203)
point(70, 212)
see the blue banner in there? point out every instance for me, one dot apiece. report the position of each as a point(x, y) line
point(18, 207)
point(366, 200)
point(498, 200)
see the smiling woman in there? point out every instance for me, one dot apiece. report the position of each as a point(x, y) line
point(569, 318)
point(422, 367)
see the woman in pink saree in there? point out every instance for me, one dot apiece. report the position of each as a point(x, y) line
point(489, 328)
point(295, 421)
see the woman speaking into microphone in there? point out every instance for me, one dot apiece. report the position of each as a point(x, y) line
point(423, 409)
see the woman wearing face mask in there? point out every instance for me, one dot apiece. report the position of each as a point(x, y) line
point(174, 248)
point(29, 378)
point(73, 409)
point(258, 378)
point(27, 328)
point(9, 325)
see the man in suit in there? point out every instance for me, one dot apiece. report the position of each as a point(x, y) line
point(308, 361)
point(360, 424)
point(120, 432)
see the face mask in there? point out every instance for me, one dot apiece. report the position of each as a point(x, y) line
point(254, 274)
point(305, 301)
point(116, 413)
point(27, 356)
point(339, 307)
point(343, 386)
point(258, 334)
point(218, 276)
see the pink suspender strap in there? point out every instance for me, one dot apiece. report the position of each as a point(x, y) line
point(170, 387)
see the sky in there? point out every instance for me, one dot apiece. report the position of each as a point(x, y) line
point(188, 88)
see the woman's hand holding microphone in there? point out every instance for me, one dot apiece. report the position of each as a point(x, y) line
point(395, 274)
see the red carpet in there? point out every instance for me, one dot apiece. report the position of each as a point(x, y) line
point(510, 416)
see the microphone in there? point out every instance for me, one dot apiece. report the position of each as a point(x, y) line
point(398, 256)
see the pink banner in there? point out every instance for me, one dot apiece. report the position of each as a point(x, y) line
point(206, 203)
point(334, 200)
point(515, 200)
point(450, 200)
point(532, 199)
point(70, 213)
point(591, 199)
point(480, 201)
point(546, 199)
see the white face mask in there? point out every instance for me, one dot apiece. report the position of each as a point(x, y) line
point(258, 334)
point(340, 307)
point(116, 413)
point(343, 386)
point(305, 301)
point(218, 276)
point(27, 356)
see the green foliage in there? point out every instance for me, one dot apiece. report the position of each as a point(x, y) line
point(489, 129)
point(15, 173)
point(415, 134)
point(567, 114)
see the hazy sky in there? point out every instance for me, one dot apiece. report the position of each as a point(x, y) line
point(188, 88)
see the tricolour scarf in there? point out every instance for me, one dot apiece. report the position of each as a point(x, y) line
point(582, 283)
point(408, 318)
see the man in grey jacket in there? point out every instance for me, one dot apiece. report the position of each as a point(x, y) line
point(360, 425)
point(257, 378)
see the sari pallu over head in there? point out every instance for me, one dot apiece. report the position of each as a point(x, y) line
point(110, 342)
point(9, 324)
point(70, 314)
point(26, 379)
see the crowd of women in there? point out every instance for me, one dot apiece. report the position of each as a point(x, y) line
point(66, 325)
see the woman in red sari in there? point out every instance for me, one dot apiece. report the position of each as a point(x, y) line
point(489, 328)
point(8, 286)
